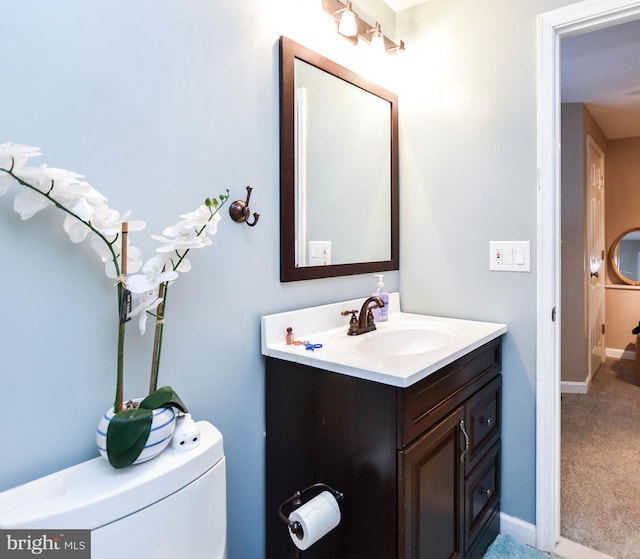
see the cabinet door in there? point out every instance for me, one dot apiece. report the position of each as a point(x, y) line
point(430, 492)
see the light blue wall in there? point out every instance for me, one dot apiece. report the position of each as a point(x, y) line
point(469, 165)
point(160, 104)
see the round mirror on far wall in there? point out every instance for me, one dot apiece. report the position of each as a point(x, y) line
point(624, 256)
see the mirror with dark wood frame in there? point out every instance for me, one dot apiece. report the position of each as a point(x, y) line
point(339, 169)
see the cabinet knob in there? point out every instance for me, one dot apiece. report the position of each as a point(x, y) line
point(486, 420)
point(485, 492)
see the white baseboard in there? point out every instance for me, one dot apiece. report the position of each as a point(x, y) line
point(522, 531)
point(570, 550)
point(572, 387)
point(621, 353)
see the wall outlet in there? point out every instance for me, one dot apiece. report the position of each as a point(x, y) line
point(510, 256)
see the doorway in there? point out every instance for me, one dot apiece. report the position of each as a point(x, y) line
point(552, 26)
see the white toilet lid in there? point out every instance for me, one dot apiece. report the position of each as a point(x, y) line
point(93, 493)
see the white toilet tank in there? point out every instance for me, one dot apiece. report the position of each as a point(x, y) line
point(173, 506)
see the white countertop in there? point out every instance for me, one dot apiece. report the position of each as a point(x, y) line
point(340, 353)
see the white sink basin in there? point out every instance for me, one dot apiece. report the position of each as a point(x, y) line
point(400, 352)
point(404, 341)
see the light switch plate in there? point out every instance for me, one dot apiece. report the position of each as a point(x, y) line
point(319, 253)
point(510, 256)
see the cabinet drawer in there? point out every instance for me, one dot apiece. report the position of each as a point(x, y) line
point(483, 421)
point(482, 495)
point(428, 401)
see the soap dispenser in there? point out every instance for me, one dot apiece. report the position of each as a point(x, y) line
point(381, 314)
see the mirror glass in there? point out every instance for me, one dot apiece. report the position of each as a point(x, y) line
point(339, 170)
point(624, 257)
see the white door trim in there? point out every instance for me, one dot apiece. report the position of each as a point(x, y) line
point(574, 19)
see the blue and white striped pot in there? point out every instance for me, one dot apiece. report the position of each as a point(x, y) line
point(162, 427)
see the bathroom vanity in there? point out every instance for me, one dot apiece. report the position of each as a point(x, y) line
point(416, 454)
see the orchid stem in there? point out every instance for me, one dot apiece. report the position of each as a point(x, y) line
point(157, 340)
point(117, 406)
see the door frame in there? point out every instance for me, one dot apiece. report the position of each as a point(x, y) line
point(573, 19)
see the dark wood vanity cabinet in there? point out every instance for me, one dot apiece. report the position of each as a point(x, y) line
point(419, 466)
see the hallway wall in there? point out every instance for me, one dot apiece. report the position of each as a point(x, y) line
point(622, 207)
point(577, 125)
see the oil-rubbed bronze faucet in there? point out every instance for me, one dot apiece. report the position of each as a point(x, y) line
point(365, 322)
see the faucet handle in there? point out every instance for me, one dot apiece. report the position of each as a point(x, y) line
point(353, 321)
point(370, 317)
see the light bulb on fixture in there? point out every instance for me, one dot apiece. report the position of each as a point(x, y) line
point(348, 26)
point(352, 27)
point(400, 49)
point(377, 39)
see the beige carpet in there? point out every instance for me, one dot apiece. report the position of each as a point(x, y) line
point(600, 495)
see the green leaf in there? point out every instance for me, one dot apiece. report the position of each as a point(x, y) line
point(127, 435)
point(164, 397)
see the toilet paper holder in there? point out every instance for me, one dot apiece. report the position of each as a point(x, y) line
point(297, 500)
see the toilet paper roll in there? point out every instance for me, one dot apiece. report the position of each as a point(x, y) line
point(317, 517)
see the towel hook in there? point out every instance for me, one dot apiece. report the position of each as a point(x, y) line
point(239, 210)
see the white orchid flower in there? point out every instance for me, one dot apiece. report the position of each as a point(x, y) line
point(134, 256)
point(153, 274)
point(13, 157)
point(105, 220)
point(80, 197)
point(146, 302)
point(77, 230)
point(202, 218)
point(182, 236)
point(109, 222)
point(6, 180)
point(29, 203)
point(184, 266)
point(16, 154)
point(43, 176)
point(83, 209)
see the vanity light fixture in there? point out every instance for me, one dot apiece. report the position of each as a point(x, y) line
point(348, 26)
point(396, 49)
point(377, 39)
point(352, 27)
